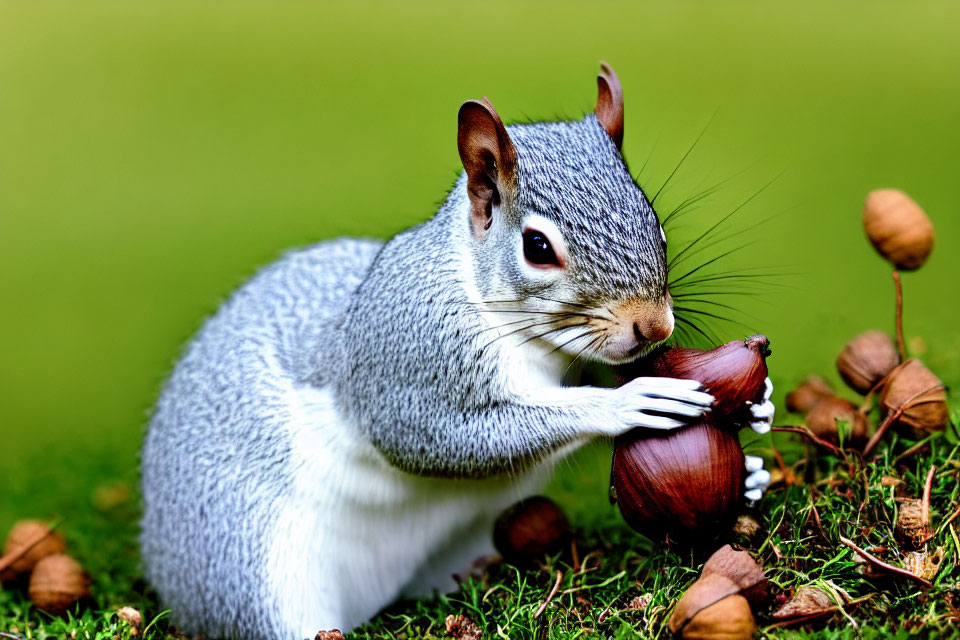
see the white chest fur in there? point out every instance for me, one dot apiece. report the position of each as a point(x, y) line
point(358, 532)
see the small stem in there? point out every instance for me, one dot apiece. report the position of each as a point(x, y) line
point(553, 592)
point(900, 346)
point(925, 503)
point(816, 440)
point(882, 429)
point(883, 565)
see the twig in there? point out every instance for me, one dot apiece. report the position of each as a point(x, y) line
point(553, 592)
point(820, 441)
point(574, 555)
point(7, 560)
point(900, 346)
point(925, 503)
point(933, 534)
point(883, 565)
point(816, 518)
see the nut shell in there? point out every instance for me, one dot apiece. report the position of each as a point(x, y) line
point(807, 394)
point(898, 228)
point(680, 483)
point(822, 421)
point(57, 582)
point(920, 394)
point(22, 534)
point(735, 372)
point(529, 529)
point(866, 359)
point(728, 619)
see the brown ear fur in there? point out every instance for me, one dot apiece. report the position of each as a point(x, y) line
point(489, 158)
point(610, 103)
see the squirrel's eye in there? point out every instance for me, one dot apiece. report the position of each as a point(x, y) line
point(537, 249)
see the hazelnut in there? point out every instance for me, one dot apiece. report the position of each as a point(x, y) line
point(898, 228)
point(728, 619)
point(57, 582)
point(806, 604)
point(823, 421)
point(26, 533)
point(808, 394)
point(866, 359)
point(920, 396)
point(530, 529)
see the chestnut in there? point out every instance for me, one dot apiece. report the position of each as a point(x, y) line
point(822, 421)
point(898, 228)
point(530, 529)
point(677, 482)
point(807, 394)
point(918, 395)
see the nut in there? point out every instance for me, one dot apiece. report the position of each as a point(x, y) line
point(822, 421)
point(529, 529)
point(920, 396)
point(728, 619)
point(807, 394)
point(898, 228)
point(57, 582)
point(866, 359)
point(23, 534)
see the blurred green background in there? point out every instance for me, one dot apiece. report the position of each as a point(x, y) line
point(154, 155)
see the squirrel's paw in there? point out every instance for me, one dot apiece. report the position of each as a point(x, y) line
point(757, 480)
point(661, 403)
point(762, 414)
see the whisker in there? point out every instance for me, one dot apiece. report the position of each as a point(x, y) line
point(711, 261)
point(707, 314)
point(695, 327)
point(685, 156)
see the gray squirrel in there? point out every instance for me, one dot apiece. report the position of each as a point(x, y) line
point(348, 425)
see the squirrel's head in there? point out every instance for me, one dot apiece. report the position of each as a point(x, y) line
point(567, 249)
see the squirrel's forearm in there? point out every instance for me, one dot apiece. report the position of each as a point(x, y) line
point(505, 437)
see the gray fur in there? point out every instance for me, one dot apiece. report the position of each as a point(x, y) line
point(393, 330)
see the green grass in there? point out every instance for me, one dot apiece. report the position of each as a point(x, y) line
point(153, 155)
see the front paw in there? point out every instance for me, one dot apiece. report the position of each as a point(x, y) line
point(758, 478)
point(661, 403)
point(761, 415)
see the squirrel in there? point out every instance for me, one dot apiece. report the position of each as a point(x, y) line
point(348, 425)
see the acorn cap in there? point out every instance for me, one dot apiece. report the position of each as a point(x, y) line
point(23, 534)
point(898, 228)
point(866, 359)
point(807, 394)
point(919, 393)
point(911, 529)
point(57, 582)
point(822, 421)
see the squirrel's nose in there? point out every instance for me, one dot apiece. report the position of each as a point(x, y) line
point(652, 331)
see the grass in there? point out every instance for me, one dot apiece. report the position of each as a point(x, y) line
point(622, 585)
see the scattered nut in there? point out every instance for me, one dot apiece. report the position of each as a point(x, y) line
point(27, 532)
point(823, 421)
point(529, 529)
point(911, 529)
point(898, 228)
point(807, 394)
point(920, 395)
point(131, 616)
point(807, 603)
point(57, 582)
point(866, 359)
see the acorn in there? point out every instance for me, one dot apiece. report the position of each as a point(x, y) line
point(25, 533)
point(531, 529)
point(823, 421)
point(735, 373)
point(717, 605)
point(866, 359)
point(807, 394)
point(57, 582)
point(898, 228)
point(677, 482)
point(919, 395)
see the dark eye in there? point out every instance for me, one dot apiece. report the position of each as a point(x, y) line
point(537, 249)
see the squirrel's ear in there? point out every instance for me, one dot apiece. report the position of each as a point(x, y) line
point(610, 103)
point(489, 159)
